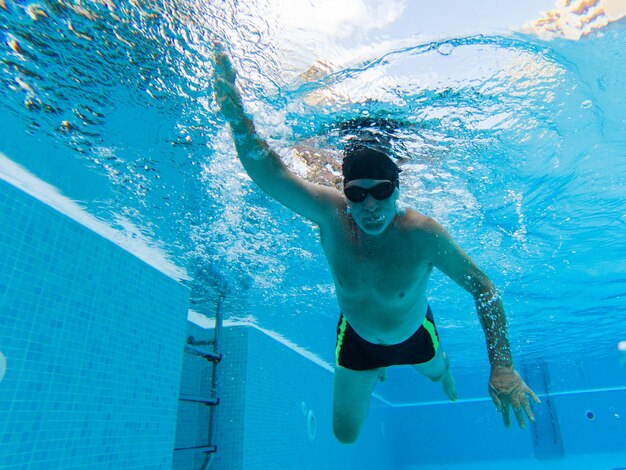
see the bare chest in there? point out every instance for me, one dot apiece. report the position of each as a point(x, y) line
point(391, 267)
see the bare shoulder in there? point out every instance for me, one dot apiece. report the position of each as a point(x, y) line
point(313, 201)
point(420, 224)
point(331, 196)
point(331, 199)
point(426, 234)
point(332, 205)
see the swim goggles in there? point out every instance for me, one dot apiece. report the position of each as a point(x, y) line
point(379, 191)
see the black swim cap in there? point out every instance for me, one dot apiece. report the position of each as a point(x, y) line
point(360, 162)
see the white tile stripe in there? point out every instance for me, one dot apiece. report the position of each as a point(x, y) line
point(142, 248)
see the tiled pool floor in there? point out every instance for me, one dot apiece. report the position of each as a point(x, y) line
point(613, 461)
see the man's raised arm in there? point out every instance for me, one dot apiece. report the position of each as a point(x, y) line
point(262, 164)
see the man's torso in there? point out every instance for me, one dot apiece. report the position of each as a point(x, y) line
point(380, 280)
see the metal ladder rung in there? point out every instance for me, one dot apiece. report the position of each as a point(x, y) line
point(206, 401)
point(205, 449)
point(210, 356)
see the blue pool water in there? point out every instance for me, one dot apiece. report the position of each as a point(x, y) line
point(513, 142)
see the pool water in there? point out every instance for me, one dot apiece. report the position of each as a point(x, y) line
point(513, 140)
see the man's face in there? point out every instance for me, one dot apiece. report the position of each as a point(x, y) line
point(370, 209)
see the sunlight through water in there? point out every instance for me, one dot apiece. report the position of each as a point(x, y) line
point(507, 121)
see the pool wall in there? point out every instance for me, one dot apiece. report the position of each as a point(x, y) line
point(266, 388)
point(468, 436)
point(276, 411)
point(93, 340)
point(269, 387)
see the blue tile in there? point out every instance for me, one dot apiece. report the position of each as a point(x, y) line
point(73, 325)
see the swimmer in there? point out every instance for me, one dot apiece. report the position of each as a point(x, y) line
point(381, 259)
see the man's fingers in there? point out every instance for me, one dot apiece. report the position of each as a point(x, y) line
point(526, 403)
point(510, 390)
point(532, 395)
point(519, 414)
point(517, 408)
point(495, 398)
point(528, 409)
point(217, 45)
point(225, 67)
point(506, 417)
point(223, 86)
point(227, 96)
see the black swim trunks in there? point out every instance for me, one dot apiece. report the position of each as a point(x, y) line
point(353, 352)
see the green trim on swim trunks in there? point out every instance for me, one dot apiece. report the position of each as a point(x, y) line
point(342, 331)
point(431, 331)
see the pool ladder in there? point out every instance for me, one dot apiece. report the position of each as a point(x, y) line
point(215, 358)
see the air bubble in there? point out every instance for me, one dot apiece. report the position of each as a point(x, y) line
point(586, 104)
point(445, 49)
point(3, 365)
point(311, 426)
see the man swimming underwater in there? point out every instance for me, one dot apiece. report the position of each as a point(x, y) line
point(381, 260)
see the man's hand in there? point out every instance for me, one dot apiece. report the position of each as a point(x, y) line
point(226, 94)
point(506, 387)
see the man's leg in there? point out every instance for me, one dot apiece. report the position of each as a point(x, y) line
point(352, 393)
point(438, 370)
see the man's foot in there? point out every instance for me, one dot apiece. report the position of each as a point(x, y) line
point(449, 386)
point(447, 381)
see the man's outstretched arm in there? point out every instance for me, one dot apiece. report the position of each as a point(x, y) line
point(506, 387)
point(261, 163)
